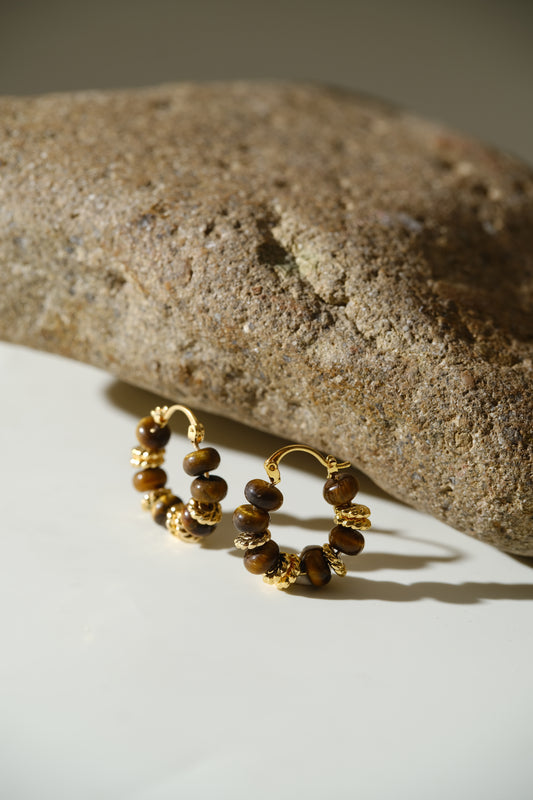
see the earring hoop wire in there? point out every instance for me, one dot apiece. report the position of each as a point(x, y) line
point(329, 462)
point(195, 431)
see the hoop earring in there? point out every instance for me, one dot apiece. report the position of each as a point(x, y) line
point(262, 554)
point(199, 517)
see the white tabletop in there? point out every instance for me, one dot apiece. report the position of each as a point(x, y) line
point(136, 666)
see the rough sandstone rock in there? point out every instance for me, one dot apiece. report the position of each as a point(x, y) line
point(313, 263)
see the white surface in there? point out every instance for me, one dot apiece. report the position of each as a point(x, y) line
point(136, 666)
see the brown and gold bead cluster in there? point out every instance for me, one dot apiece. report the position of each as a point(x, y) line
point(262, 554)
point(198, 518)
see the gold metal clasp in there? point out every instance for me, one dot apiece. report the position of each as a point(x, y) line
point(195, 431)
point(329, 462)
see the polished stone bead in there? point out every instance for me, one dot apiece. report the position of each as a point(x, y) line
point(212, 489)
point(262, 559)
point(148, 479)
point(200, 461)
point(162, 505)
point(314, 563)
point(151, 435)
point(340, 489)
point(249, 519)
point(193, 526)
point(263, 494)
point(346, 540)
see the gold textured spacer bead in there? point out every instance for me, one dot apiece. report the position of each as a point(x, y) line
point(146, 458)
point(150, 498)
point(205, 513)
point(337, 564)
point(175, 526)
point(248, 541)
point(173, 522)
point(190, 538)
point(353, 516)
point(286, 573)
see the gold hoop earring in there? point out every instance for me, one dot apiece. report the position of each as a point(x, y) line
point(193, 521)
point(262, 554)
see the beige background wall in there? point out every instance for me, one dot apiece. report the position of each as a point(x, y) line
point(467, 63)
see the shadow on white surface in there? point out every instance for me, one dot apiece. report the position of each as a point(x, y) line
point(355, 587)
point(227, 433)
point(470, 593)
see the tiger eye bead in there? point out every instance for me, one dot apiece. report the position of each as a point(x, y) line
point(314, 563)
point(199, 461)
point(193, 526)
point(263, 495)
point(209, 490)
point(162, 505)
point(340, 489)
point(346, 540)
point(249, 519)
point(262, 559)
point(148, 479)
point(151, 435)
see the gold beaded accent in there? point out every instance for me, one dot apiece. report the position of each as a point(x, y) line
point(159, 415)
point(150, 498)
point(353, 516)
point(247, 541)
point(205, 513)
point(286, 572)
point(146, 458)
point(175, 526)
point(190, 538)
point(173, 522)
point(337, 564)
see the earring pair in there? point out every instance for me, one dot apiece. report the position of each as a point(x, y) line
point(198, 518)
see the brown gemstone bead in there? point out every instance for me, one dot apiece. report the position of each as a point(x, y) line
point(262, 559)
point(249, 519)
point(148, 479)
point(346, 540)
point(203, 460)
point(314, 563)
point(161, 506)
point(151, 435)
point(340, 489)
point(193, 526)
point(263, 495)
point(209, 490)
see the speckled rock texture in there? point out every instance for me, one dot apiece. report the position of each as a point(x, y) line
point(314, 263)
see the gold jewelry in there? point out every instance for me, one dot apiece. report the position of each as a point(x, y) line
point(262, 555)
point(195, 520)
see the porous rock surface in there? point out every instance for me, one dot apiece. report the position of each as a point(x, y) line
point(314, 263)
